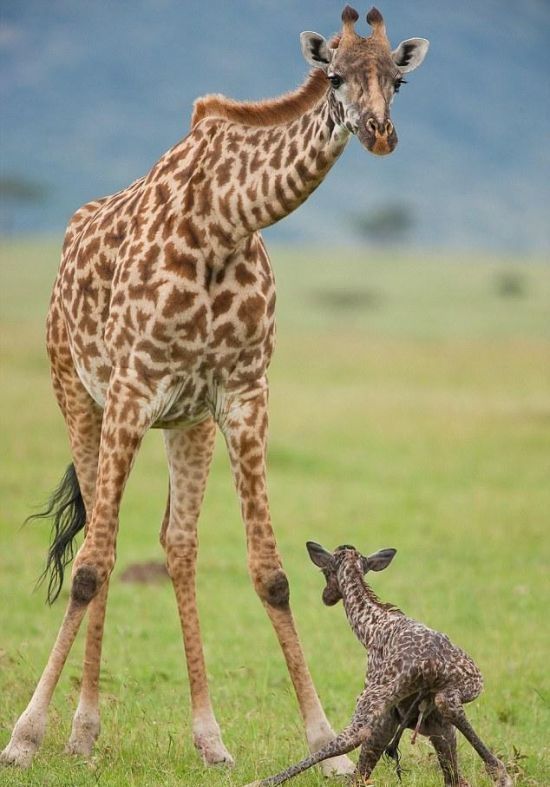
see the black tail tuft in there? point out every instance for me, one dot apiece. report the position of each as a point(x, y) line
point(392, 751)
point(66, 508)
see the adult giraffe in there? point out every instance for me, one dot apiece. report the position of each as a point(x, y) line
point(162, 316)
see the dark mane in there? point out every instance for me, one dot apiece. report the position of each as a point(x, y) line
point(271, 112)
point(373, 598)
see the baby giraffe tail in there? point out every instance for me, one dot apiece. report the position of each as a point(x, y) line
point(350, 738)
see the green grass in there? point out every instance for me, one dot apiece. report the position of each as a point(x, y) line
point(410, 407)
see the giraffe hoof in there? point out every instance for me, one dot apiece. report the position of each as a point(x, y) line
point(24, 742)
point(81, 747)
point(18, 754)
point(84, 734)
point(338, 766)
point(213, 751)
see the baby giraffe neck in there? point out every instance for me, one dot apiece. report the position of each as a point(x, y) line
point(363, 609)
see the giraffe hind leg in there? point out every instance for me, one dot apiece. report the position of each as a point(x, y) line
point(68, 506)
point(120, 439)
point(84, 421)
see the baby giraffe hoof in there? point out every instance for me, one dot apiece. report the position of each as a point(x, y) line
point(499, 775)
point(362, 781)
point(338, 766)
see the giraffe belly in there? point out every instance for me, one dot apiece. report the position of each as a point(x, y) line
point(186, 398)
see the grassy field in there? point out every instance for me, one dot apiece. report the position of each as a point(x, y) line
point(410, 407)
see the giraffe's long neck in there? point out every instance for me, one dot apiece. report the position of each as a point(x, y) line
point(364, 611)
point(267, 172)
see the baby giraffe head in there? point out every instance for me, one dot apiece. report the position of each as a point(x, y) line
point(330, 562)
point(364, 74)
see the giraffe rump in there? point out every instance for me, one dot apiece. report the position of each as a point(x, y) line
point(66, 508)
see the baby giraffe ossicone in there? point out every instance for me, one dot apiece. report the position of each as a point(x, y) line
point(416, 678)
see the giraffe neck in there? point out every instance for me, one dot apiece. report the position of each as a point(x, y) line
point(268, 172)
point(364, 610)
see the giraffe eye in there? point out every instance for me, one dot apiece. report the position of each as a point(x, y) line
point(397, 84)
point(335, 81)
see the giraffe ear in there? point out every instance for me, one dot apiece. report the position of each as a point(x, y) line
point(315, 50)
point(318, 554)
point(379, 560)
point(410, 53)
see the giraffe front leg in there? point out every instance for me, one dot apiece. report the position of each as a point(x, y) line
point(245, 431)
point(189, 454)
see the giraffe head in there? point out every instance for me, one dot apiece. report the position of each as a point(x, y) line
point(329, 563)
point(365, 74)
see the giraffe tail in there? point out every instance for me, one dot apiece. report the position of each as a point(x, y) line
point(66, 508)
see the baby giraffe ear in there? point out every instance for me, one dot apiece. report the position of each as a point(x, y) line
point(379, 560)
point(315, 50)
point(318, 554)
point(410, 53)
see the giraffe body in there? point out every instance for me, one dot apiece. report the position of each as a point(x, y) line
point(162, 316)
point(416, 678)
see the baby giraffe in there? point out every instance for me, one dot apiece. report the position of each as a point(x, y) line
point(416, 678)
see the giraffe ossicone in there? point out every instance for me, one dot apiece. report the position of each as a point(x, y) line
point(162, 316)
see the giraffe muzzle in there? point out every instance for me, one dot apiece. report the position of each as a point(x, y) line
point(379, 137)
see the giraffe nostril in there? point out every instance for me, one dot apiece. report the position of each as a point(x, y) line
point(371, 125)
point(389, 127)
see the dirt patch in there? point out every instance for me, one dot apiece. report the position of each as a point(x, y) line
point(147, 573)
point(342, 299)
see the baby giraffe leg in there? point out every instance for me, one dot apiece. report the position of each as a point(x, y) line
point(346, 741)
point(442, 736)
point(367, 724)
point(450, 707)
point(374, 746)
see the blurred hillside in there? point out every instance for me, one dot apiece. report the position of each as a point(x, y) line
point(93, 93)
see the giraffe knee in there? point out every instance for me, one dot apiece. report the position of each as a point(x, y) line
point(85, 584)
point(273, 588)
